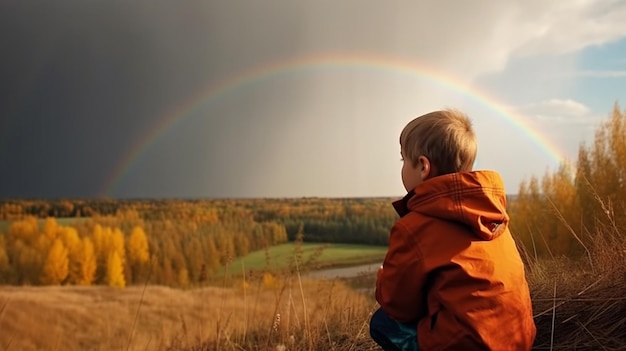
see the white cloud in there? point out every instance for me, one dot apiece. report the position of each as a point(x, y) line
point(566, 26)
point(468, 41)
point(560, 117)
point(555, 107)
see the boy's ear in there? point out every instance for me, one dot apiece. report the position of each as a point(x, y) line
point(424, 166)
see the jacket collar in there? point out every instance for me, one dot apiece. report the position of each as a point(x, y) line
point(402, 206)
point(476, 199)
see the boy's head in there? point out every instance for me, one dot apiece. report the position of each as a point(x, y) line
point(436, 143)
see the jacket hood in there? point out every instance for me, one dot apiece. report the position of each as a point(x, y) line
point(475, 199)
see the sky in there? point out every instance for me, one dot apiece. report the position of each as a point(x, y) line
point(282, 98)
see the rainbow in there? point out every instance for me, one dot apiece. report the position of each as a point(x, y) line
point(327, 60)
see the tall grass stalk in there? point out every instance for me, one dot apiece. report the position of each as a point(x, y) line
point(143, 293)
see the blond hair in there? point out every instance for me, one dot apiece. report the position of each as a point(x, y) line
point(445, 137)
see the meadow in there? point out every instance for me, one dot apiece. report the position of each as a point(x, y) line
point(162, 318)
point(312, 256)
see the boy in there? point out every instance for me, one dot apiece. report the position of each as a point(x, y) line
point(452, 278)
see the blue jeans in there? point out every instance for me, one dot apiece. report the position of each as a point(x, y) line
point(392, 335)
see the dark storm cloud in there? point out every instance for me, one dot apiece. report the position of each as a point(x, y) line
point(81, 81)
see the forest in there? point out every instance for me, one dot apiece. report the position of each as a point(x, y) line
point(177, 242)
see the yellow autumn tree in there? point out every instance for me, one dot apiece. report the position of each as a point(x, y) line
point(55, 268)
point(51, 228)
point(72, 243)
point(563, 221)
point(604, 173)
point(25, 230)
point(528, 216)
point(521, 216)
point(42, 245)
point(138, 253)
point(115, 271)
point(107, 240)
point(4, 261)
point(563, 215)
point(116, 244)
point(88, 264)
point(584, 191)
point(99, 238)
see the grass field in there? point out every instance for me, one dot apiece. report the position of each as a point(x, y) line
point(313, 256)
point(312, 315)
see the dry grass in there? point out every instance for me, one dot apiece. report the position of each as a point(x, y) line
point(581, 305)
point(98, 318)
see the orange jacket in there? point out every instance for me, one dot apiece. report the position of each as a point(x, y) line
point(453, 267)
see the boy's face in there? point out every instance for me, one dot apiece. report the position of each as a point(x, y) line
point(412, 176)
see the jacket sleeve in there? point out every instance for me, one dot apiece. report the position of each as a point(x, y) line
point(400, 282)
